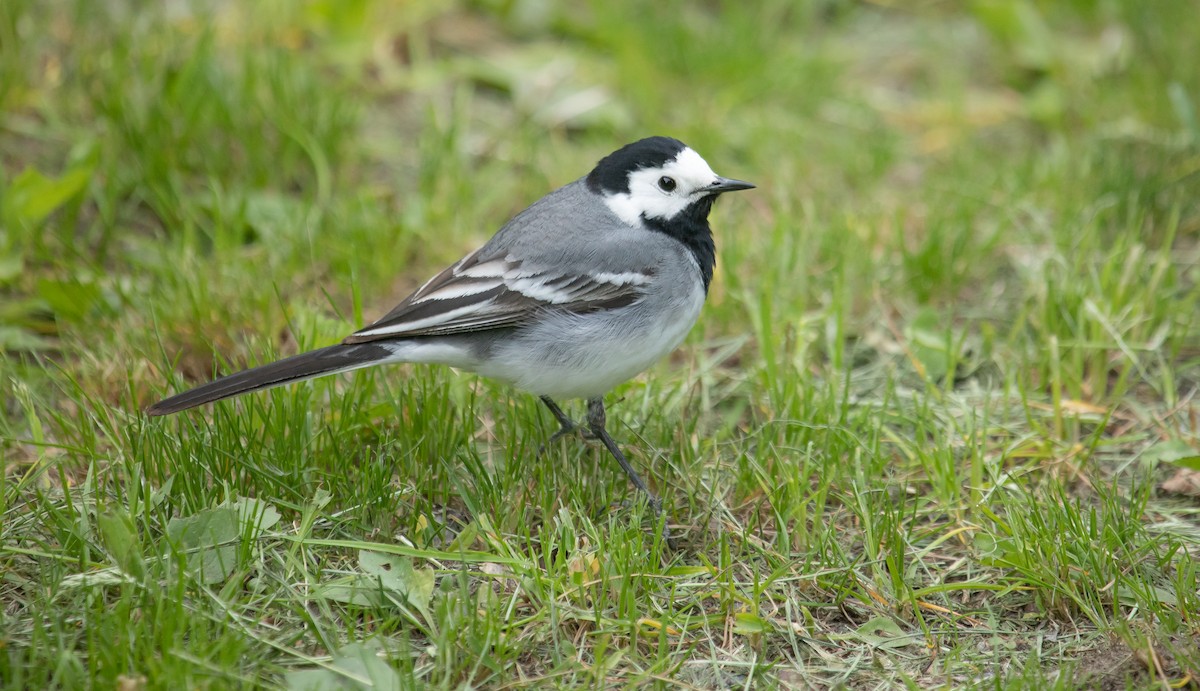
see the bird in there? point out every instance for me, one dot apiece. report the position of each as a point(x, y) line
point(583, 290)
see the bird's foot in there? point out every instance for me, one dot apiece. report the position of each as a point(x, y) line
point(563, 431)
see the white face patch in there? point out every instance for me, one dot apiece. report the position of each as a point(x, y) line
point(647, 197)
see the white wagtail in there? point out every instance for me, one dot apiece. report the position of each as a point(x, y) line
point(583, 290)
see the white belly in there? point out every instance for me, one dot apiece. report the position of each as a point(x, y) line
point(583, 356)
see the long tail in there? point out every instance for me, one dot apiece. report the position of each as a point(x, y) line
point(316, 363)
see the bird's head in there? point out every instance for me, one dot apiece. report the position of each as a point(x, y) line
point(656, 180)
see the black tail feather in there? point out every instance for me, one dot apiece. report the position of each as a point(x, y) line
point(316, 363)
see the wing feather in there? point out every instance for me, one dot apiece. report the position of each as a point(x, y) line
point(480, 293)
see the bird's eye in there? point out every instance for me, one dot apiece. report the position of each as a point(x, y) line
point(666, 184)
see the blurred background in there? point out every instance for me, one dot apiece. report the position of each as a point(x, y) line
point(925, 153)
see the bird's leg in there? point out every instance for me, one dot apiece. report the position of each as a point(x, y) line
point(567, 425)
point(595, 421)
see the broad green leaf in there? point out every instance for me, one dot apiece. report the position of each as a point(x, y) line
point(928, 341)
point(356, 666)
point(745, 623)
point(1139, 596)
point(205, 539)
point(384, 579)
point(883, 632)
point(1189, 462)
point(33, 196)
point(121, 541)
point(161, 493)
point(1176, 452)
point(255, 516)
point(210, 538)
point(398, 574)
point(353, 590)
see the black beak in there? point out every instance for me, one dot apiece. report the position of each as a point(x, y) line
point(728, 185)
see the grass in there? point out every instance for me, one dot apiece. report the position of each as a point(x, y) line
point(949, 357)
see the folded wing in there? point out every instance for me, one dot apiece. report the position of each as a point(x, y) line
point(480, 293)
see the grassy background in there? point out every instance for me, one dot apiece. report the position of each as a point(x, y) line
point(920, 435)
